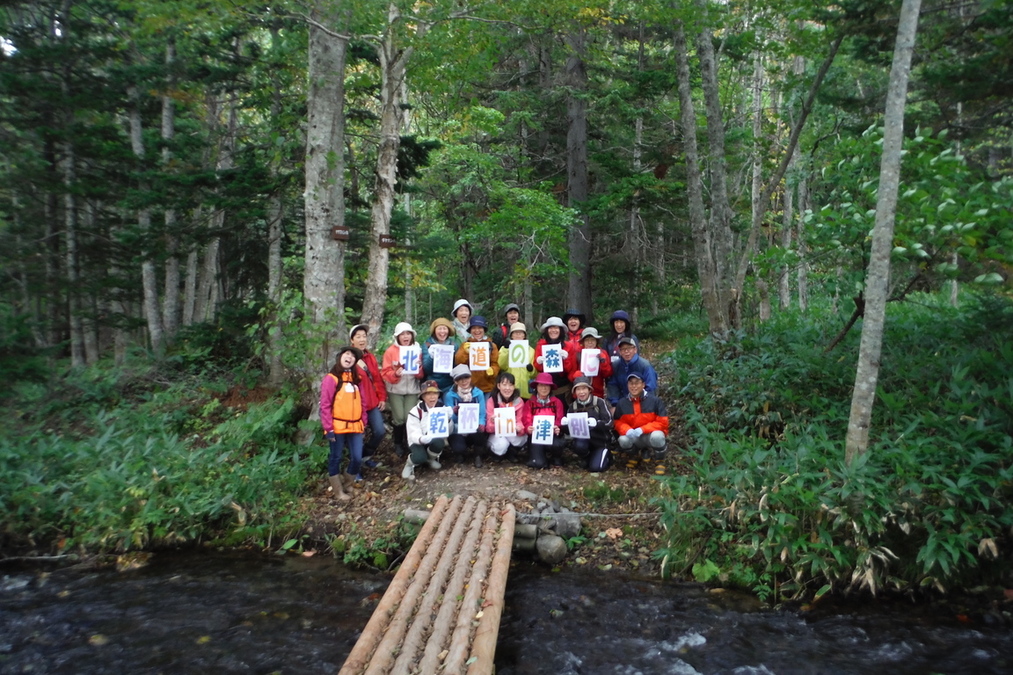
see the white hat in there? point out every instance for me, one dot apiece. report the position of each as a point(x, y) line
point(461, 303)
point(460, 370)
point(553, 321)
point(402, 327)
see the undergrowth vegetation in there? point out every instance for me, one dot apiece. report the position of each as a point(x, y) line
point(111, 459)
point(771, 505)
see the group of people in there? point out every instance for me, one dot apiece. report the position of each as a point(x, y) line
point(555, 404)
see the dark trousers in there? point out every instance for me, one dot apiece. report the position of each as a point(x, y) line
point(594, 452)
point(374, 420)
point(459, 443)
point(539, 452)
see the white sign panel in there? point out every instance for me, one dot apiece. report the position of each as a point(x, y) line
point(467, 418)
point(443, 358)
point(506, 421)
point(541, 429)
point(438, 422)
point(518, 354)
point(552, 358)
point(578, 425)
point(411, 359)
point(478, 356)
point(589, 361)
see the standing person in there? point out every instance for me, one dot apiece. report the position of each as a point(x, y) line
point(593, 451)
point(553, 333)
point(483, 379)
point(511, 315)
point(506, 396)
point(464, 392)
point(522, 374)
point(374, 394)
point(423, 449)
point(462, 317)
point(402, 387)
point(343, 418)
point(544, 403)
point(642, 425)
point(441, 332)
point(589, 340)
point(621, 328)
point(574, 320)
point(630, 362)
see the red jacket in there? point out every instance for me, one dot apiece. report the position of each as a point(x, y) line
point(554, 407)
point(371, 380)
point(647, 413)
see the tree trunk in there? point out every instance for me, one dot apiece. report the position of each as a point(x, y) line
point(90, 327)
point(579, 290)
point(324, 272)
point(393, 62)
point(70, 215)
point(800, 246)
point(703, 254)
point(170, 300)
point(762, 287)
point(190, 284)
point(275, 215)
point(878, 274)
point(148, 281)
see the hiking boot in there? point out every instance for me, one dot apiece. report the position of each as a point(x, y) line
point(478, 462)
point(408, 472)
point(370, 463)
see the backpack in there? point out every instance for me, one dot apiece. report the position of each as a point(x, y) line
point(346, 407)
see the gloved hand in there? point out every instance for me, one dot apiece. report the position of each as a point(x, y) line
point(331, 437)
point(530, 368)
point(565, 354)
point(467, 346)
point(634, 433)
point(425, 439)
point(490, 372)
point(432, 350)
point(601, 358)
point(540, 359)
point(592, 422)
point(564, 422)
point(615, 359)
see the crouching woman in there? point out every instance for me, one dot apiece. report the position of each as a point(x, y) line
point(423, 449)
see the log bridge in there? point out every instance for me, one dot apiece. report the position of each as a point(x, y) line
point(442, 610)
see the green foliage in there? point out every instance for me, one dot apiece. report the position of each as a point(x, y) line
point(602, 493)
point(770, 502)
point(355, 549)
point(88, 470)
point(19, 360)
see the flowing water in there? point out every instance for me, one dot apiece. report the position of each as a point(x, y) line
point(194, 613)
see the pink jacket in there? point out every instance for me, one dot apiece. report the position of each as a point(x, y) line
point(521, 416)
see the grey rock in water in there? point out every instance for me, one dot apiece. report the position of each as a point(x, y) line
point(551, 549)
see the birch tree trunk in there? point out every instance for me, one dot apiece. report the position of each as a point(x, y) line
point(878, 273)
point(324, 272)
point(70, 215)
point(170, 300)
point(579, 290)
point(209, 283)
point(763, 288)
point(190, 284)
point(275, 214)
point(705, 267)
point(393, 62)
point(800, 246)
point(149, 283)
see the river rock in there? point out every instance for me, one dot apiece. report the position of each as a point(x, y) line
point(551, 549)
point(526, 496)
point(567, 525)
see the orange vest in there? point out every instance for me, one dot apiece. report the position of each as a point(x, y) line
point(346, 410)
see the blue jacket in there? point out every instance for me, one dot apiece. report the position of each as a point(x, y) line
point(453, 399)
point(620, 371)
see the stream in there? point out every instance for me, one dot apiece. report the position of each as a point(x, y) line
point(201, 612)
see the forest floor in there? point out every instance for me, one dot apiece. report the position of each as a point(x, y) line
point(620, 519)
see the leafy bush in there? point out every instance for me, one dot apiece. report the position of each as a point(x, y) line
point(771, 505)
point(19, 359)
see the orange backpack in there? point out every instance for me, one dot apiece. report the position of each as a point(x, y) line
point(347, 407)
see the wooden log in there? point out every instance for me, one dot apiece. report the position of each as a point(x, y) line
point(464, 627)
point(416, 516)
point(390, 644)
point(464, 577)
point(437, 593)
point(373, 632)
point(523, 531)
point(483, 646)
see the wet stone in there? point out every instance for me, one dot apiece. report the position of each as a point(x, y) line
point(551, 549)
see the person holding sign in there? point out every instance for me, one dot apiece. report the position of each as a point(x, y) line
point(343, 416)
point(544, 403)
point(518, 358)
point(484, 363)
point(591, 355)
point(642, 424)
point(423, 448)
point(374, 394)
point(401, 372)
point(436, 362)
point(553, 333)
point(592, 448)
point(467, 431)
point(506, 432)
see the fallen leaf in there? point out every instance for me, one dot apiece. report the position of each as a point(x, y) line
point(98, 640)
point(203, 639)
point(443, 654)
point(308, 554)
point(614, 533)
point(480, 614)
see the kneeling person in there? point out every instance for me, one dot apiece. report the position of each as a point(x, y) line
point(422, 448)
point(593, 451)
point(641, 421)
